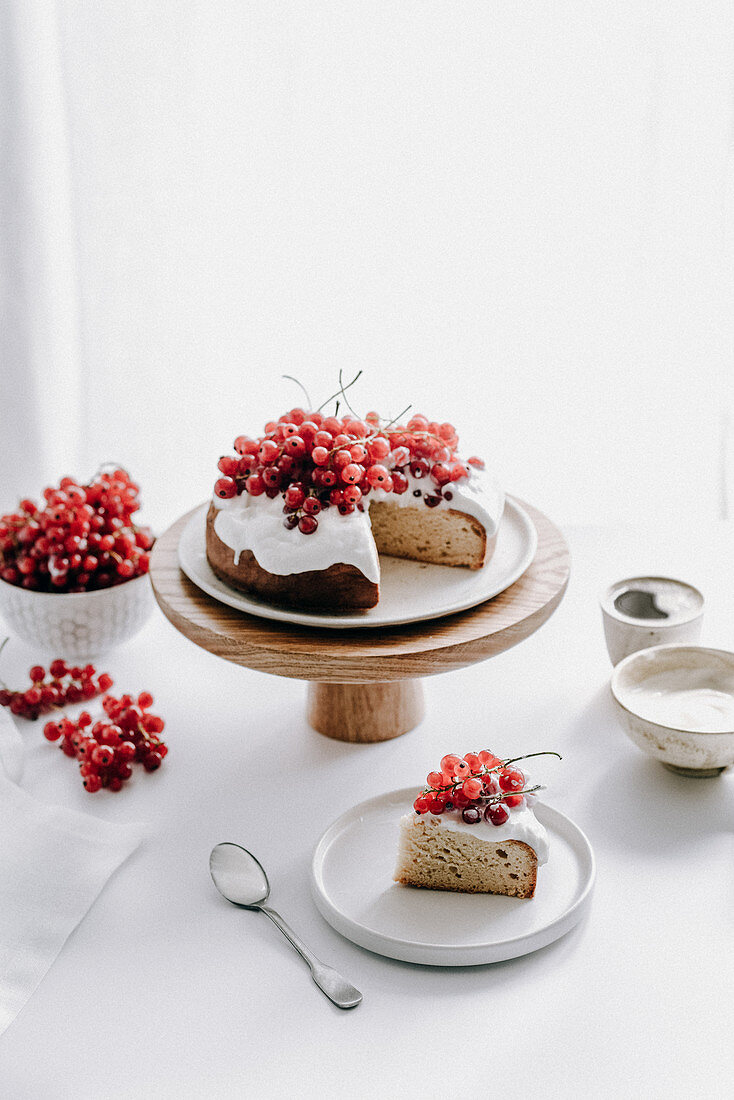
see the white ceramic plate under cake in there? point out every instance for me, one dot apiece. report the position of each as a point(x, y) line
point(352, 882)
point(409, 591)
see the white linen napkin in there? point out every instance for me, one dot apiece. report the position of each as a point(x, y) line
point(53, 864)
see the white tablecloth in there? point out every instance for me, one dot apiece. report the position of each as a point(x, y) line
point(165, 990)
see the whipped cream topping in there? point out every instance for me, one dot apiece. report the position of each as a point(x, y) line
point(255, 523)
point(522, 825)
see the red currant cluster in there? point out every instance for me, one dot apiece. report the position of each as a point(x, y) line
point(106, 749)
point(479, 784)
point(318, 461)
point(80, 538)
point(64, 685)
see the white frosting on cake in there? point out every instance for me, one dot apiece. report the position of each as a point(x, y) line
point(255, 523)
point(522, 824)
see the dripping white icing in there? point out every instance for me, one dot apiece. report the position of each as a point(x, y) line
point(253, 523)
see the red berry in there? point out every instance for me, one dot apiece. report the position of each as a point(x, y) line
point(103, 755)
point(472, 788)
point(449, 763)
point(255, 485)
point(37, 673)
point(307, 525)
point(268, 450)
point(378, 476)
point(92, 783)
point(514, 800)
point(511, 779)
point(51, 731)
point(294, 496)
point(225, 487)
point(379, 448)
point(496, 813)
point(271, 476)
point(243, 445)
point(152, 761)
point(145, 700)
point(342, 459)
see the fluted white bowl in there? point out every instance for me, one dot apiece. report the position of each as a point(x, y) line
point(77, 625)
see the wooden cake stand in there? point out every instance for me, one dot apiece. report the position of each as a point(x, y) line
point(363, 682)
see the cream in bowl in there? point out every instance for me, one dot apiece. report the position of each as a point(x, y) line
point(676, 702)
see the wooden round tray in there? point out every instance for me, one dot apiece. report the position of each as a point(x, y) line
point(363, 682)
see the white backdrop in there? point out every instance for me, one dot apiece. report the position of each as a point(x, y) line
point(514, 216)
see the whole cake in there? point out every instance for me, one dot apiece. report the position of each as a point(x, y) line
point(473, 830)
point(301, 513)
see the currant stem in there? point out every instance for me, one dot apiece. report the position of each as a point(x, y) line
point(302, 388)
point(391, 422)
point(341, 390)
point(344, 395)
point(527, 756)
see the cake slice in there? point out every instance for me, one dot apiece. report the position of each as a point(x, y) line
point(473, 830)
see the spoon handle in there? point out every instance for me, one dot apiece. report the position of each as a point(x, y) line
point(329, 981)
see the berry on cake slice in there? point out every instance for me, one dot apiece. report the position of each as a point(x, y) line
point(473, 829)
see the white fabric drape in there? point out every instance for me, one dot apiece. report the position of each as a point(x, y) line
point(41, 390)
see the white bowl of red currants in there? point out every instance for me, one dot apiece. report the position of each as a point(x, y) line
point(73, 569)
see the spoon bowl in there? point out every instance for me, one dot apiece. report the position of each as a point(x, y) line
point(238, 876)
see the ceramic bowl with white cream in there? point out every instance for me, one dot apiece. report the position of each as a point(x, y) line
point(676, 702)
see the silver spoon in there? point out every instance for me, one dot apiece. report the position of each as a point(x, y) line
point(241, 879)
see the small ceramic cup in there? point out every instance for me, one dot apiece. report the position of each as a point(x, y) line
point(77, 625)
point(646, 611)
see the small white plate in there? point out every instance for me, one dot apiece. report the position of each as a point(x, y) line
point(353, 887)
point(409, 591)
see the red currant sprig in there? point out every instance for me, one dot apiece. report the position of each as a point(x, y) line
point(481, 785)
point(82, 537)
point(65, 684)
point(107, 749)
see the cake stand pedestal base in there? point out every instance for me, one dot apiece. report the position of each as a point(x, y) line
point(365, 712)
